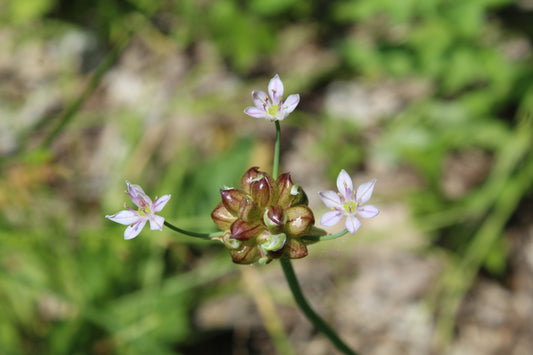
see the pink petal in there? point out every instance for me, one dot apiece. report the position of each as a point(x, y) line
point(275, 89)
point(367, 211)
point(260, 98)
point(137, 195)
point(331, 218)
point(156, 222)
point(160, 203)
point(331, 199)
point(134, 190)
point(290, 104)
point(352, 224)
point(124, 217)
point(364, 191)
point(134, 230)
point(344, 184)
point(255, 112)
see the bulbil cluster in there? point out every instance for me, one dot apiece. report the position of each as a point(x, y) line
point(264, 219)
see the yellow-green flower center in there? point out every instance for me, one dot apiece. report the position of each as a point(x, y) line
point(144, 211)
point(273, 110)
point(350, 206)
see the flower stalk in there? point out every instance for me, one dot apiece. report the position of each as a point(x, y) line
point(277, 144)
point(321, 238)
point(193, 234)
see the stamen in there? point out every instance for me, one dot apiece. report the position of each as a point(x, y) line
point(350, 206)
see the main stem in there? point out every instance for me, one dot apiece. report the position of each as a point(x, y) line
point(308, 311)
point(293, 281)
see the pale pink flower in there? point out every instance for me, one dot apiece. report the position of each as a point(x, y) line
point(348, 203)
point(135, 220)
point(272, 107)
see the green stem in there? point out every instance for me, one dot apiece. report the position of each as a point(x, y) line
point(321, 238)
point(193, 234)
point(308, 311)
point(333, 236)
point(275, 165)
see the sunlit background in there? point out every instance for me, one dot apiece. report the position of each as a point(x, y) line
point(434, 98)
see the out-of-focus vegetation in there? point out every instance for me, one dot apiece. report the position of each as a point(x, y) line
point(462, 84)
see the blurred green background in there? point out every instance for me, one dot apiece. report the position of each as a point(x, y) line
point(432, 97)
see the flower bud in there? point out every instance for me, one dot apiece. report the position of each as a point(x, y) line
point(262, 238)
point(262, 190)
point(231, 198)
point(289, 193)
point(299, 220)
point(295, 249)
point(284, 184)
point(241, 230)
point(246, 254)
point(273, 219)
point(270, 246)
point(300, 197)
point(274, 242)
point(222, 217)
point(249, 210)
point(248, 177)
point(229, 243)
point(264, 260)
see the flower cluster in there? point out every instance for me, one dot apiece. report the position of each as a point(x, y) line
point(268, 217)
point(264, 219)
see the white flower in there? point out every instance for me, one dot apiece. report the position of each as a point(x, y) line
point(272, 107)
point(348, 203)
point(135, 220)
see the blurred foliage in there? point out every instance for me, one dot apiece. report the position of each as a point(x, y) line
point(70, 285)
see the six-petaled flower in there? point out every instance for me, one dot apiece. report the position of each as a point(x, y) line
point(272, 107)
point(136, 220)
point(348, 202)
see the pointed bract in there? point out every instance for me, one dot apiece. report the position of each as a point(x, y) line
point(299, 220)
point(222, 217)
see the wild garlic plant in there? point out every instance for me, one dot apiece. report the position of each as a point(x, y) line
point(268, 216)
